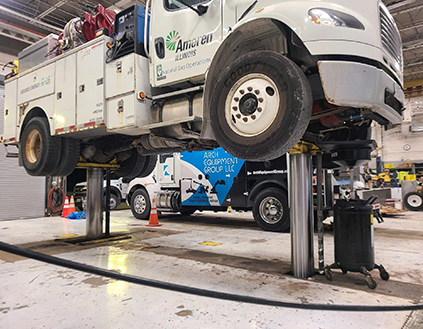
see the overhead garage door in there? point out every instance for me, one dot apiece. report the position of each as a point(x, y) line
point(21, 195)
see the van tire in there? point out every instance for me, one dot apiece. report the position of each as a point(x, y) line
point(260, 106)
point(114, 202)
point(40, 152)
point(270, 210)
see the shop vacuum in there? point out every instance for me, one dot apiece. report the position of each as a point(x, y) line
point(353, 236)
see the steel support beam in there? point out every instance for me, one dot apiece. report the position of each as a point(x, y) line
point(20, 33)
point(320, 229)
point(408, 10)
point(31, 20)
point(94, 222)
point(51, 9)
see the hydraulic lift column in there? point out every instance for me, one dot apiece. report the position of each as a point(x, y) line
point(300, 173)
point(94, 203)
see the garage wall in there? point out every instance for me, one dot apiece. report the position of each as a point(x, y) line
point(21, 195)
point(400, 143)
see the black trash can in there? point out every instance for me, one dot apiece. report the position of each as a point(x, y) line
point(353, 235)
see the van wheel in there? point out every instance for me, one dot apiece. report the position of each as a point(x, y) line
point(270, 210)
point(69, 157)
point(260, 106)
point(140, 204)
point(114, 201)
point(40, 152)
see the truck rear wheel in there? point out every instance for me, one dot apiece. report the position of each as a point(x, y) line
point(131, 167)
point(69, 157)
point(270, 210)
point(140, 204)
point(150, 164)
point(260, 106)
point(40, 152)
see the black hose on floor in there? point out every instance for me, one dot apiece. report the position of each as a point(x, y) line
point(196, 291)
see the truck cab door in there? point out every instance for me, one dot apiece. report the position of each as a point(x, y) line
point(168, 170)
point(182, 43)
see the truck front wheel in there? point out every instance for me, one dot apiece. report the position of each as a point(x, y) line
point(140, 204)
point(260, 106)
point(270, 210)
point(40, 152)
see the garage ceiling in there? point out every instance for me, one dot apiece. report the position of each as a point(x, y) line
point(23, 22)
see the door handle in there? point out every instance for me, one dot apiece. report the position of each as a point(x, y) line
point(160, 49)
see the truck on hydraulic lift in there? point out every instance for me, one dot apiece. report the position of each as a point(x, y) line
point(215, 180)
point(254, 77)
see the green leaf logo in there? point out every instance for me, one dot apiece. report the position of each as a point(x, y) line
point(171, 40)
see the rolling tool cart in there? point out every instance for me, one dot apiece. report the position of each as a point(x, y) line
point(353, 235)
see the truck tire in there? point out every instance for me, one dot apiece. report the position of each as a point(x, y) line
point(131, 167)
point(187, 212)
point(413, 201)
point(39, 151)
point(68, 158)
point(260, 106)
point(150, 164)
point(140, 204)
point(270, 210)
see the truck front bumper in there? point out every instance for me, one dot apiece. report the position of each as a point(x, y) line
point(362, 86)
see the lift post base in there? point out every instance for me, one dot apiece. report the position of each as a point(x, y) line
point(94, 203)
point(301, 209)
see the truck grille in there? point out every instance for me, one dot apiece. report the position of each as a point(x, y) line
point(391, 39)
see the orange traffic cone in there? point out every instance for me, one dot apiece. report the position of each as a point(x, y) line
point(71, 206)
point(154, 219)
point(65, 212)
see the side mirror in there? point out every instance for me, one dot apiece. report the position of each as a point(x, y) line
point(202, 9)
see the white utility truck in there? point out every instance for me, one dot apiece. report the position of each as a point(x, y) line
point(215, 180)
point(252, 76)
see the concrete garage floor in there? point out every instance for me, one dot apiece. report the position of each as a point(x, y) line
point(246, 261)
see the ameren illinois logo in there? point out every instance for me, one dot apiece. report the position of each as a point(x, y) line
point(186, 48)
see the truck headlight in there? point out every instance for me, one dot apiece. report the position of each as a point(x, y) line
point(324, 16)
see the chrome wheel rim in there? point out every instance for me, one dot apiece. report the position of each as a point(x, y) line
point(112, 203)
point(140, 204)
point(252, 105)
point(271, 210)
